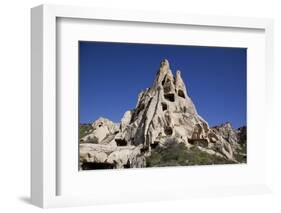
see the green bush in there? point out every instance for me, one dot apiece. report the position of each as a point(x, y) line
point(84, 130)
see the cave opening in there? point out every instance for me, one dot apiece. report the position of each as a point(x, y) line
point(121, 142)
point(168, 130)
point(154, 145)
point(170, 97)
point(181, 94)
point(191, 141)
point(164, 106)
point(127, 165)
point(144, 149)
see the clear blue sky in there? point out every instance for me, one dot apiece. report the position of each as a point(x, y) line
point(111, 75)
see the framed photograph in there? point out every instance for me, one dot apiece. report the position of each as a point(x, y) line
point(130, 106)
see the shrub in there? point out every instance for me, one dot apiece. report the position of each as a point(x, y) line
point(84, 130)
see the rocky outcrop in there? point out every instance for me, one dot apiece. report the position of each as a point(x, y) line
point(229, 134)
point(163, 111)
point(101, 129)
point(242, 135)
point(100, 156)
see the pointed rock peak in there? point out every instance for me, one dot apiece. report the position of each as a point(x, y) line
point(178, 73)
point(165, 64)
point(227, 124)
point(180, 86)
point(178, 79)
point(164, 73)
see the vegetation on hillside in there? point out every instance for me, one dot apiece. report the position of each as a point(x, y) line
point(177, 154)
point(241, 156)
point(84, 129)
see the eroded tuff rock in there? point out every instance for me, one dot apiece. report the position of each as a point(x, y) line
point(163, 111)
point(231, 135)
point(101, 129)
point(93, 156)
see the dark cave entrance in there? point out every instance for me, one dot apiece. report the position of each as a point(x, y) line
point(181, 94)
point(164, 106)
point(154, 145)
point(168, 130)
point(170, 97)
point(121, 142)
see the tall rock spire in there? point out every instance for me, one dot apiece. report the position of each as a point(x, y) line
point(165, 110)
point(163, 73)
point(180, 86)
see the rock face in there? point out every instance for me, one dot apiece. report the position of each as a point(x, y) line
point(229, 134)
point(163, 111)
point(100, 156)
point(101, 128)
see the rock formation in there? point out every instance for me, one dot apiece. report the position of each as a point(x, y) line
point(163, 111)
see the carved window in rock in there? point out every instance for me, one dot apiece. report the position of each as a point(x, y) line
point(170, 97)
point(181, 93)
point(168, 130)
point(121, 142)
point(164, 106)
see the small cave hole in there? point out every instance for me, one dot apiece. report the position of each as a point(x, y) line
point(121, 142)
point(164, 106)
point(168, 131)
point(127, 165)
point(144, 149)
point(170, 97)
point(191, 141)
point(154, 145)
point(181, 94)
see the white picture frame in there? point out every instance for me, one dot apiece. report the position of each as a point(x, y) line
point(45, 169)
